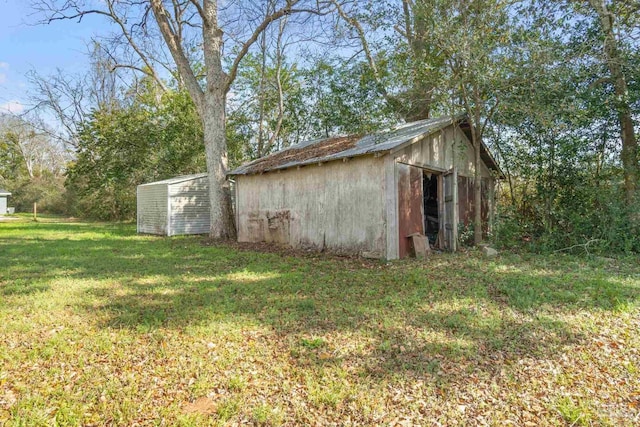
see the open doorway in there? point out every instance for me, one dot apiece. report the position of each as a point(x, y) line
point(431, 207)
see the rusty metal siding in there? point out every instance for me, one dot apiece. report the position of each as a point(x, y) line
point(152, 209)
point(189, 207)
point(466, 202)
point(410, 206)
point(338, 206)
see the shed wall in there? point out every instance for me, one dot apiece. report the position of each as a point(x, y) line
point(3, 205)
point(338, 206)
point(437, 152)
point(466, 155)
point(189, 207)
point(440, 152)
point(152, 209)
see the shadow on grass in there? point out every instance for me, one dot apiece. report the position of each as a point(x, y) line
point(413, 314)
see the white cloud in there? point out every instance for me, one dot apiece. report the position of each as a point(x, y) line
point(3, 78)
point(4, 65)
point(13, 106)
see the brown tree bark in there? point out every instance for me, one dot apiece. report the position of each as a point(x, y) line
point(613, 57)
point(415, 103)
point(477, 186)
point(210, 102)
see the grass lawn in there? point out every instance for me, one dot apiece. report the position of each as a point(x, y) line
point(99, 326)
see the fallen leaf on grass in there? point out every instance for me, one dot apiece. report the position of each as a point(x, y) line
point(202, 405)
point(9, 399)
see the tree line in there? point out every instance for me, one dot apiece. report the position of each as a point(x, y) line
point(187, 85)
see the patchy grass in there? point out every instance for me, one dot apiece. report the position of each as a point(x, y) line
point(101, 326)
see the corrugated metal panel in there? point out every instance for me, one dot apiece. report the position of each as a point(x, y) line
point(189, 201)
point(378, 142)
point(152, 208)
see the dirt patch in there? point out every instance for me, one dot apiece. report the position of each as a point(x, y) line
point(203, 405)
point(320, 149)
point(287, 251)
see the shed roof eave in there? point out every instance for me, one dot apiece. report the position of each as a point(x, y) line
point(380, 144)
point(310, 162)
point(176, 180)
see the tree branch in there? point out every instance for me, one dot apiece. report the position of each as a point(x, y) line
point(178, 54)
point(233, 72)
point(367, 51)
point(114, 16)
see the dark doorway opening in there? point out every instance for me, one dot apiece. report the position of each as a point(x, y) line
point(431, 207)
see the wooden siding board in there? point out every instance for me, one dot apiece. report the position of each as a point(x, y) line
point(391, 211)
point(338, 206)
point(466, 155)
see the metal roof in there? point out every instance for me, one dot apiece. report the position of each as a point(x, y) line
point(4, 192)
point(320, 150)
point(177, 179)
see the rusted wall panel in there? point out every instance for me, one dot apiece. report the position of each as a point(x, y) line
point(466, 202)
point(410, 207)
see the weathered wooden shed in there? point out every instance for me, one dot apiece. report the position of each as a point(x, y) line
point(174, 206)
point(366, 194)
point(4, 194)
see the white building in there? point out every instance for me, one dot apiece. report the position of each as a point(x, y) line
point(174, 206)
point(366, 194)
point(4, 194)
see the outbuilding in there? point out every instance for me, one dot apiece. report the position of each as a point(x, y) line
point(367, 194)
point(174, 206)
point(4, 195)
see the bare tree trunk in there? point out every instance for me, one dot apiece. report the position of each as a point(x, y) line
point(213, 119)
point(477, 188)
point(221, 213)
point(476, 132)
point(210, 100)
point(629, 154)
point(279, 55)
point(260, 151)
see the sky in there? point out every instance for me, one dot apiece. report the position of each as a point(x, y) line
point(26, 46)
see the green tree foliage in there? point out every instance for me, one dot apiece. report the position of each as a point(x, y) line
point(342, 98)
point(327, 97)
point(155, 136)
point(32, 165)
point(557, 134)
